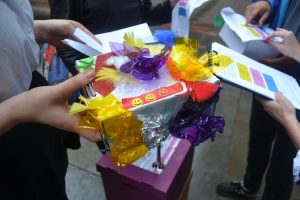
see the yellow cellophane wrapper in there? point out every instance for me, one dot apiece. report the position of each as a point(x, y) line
point(120, 126)
point(184, 63)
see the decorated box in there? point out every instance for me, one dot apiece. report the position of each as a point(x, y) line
point(143, 92)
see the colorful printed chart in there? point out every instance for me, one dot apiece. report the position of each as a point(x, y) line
point(256, 77)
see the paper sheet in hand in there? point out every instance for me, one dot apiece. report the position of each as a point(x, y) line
point(257, 77)
point(141, 31)
point(181, 16)
point(246, 39)
point(246, 32)
point(91, 47)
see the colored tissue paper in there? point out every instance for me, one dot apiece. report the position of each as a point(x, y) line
point(165, 37)
point(86, 64)
point(196, 123)
point(145, 67)
point(184, 63)
point(125, 137)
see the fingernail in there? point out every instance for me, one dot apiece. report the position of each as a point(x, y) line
point(89, 74)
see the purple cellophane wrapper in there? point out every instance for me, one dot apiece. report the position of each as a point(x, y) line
point(145, 67)
point(120, 49)
point(196, 123)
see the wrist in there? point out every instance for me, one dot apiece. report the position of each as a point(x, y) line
point(39, 31)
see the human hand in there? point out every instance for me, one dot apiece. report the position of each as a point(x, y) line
point(260, 9)
point(280, 109)
point(48, 105)
point(289, 46)
point(54, 30)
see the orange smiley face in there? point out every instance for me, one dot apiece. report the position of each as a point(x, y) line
point(137, 102)
point(163, 91)
point(150, 97)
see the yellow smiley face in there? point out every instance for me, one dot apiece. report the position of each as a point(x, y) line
point(163, 91)
point(150, 97)
point(137, 102)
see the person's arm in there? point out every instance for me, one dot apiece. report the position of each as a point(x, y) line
point(47, 105)
point(284, 112)
point(289, 46)
point(54, 30)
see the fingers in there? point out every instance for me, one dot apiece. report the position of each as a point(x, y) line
point(260, 9)
point(250, 16)
point(279, 96)
point(70, 86)
point(280, 33)
point(93, 136)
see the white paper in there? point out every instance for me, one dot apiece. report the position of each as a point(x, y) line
point(88, 40)
point(236, 22)
point(181, 16)
point(257, 77)
point(81, 47)
point(93, 48)
point(141, 31)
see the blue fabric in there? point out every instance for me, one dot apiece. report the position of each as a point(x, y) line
point(279, 10)
point(282, 12)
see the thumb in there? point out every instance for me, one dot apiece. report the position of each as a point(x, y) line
point(70, 86)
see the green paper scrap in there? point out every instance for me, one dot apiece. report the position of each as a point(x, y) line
point(86, 63)
point(218, 21)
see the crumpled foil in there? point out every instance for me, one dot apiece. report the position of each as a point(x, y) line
point(155, 128)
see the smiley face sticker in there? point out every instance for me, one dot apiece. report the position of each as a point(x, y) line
point(163, 91)
point(150, 97)
point(137, 102)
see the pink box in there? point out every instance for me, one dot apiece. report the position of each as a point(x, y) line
point(133, 183)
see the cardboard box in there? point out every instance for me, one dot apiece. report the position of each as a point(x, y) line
point(254, 49)
point(135, 183)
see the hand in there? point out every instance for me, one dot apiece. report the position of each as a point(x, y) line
point(54, 30)
point(260, 9)
point(289, 46)
point(48, 105)
point(280, 109)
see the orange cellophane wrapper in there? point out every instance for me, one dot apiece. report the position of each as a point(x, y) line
point(184, 63)
point(121, 127)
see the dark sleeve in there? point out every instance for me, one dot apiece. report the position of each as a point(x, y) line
point(66, 9)
point(156, 15)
